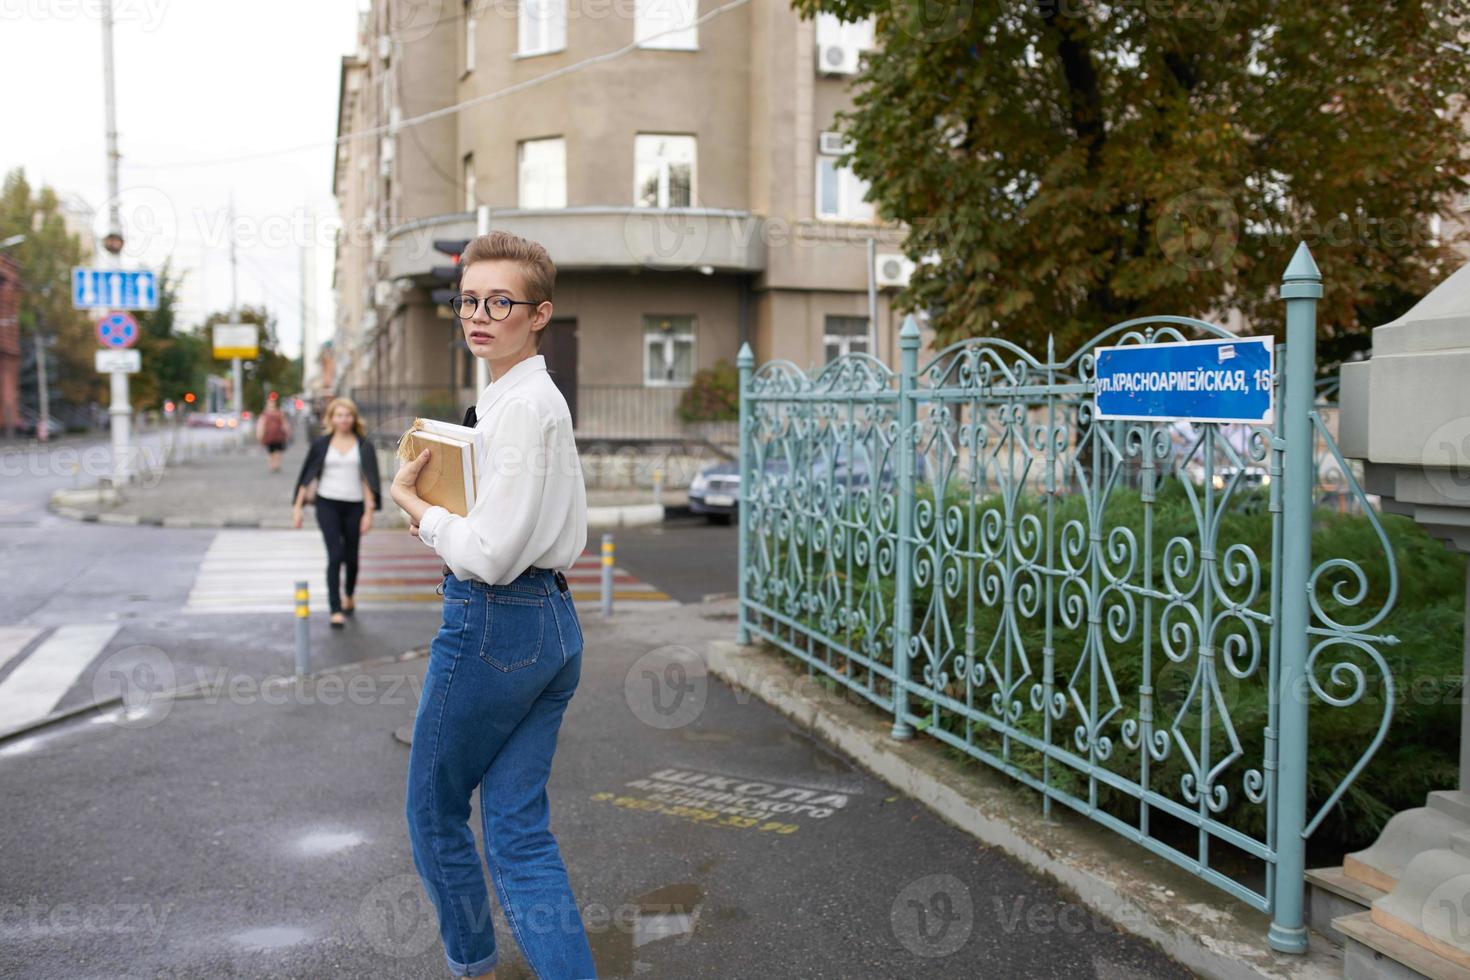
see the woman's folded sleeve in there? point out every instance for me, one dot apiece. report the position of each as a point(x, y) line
point(489, 542)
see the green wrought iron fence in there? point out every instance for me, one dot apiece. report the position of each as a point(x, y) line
point(1098, 609)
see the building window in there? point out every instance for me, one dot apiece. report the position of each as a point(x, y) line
point(467, 176)
point(843, 335)
point(469, 36)
point(841, 194)
point(666, 24)
point(543, 173)
point(668, 350)
point(543, 26)
point(663, 171)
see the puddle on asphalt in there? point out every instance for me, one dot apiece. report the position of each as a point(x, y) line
point(319, 843)
point(671, 912)
point(821, 758)
point(270, 937)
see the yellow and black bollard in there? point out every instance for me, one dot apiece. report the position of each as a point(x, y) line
point(607, 575)
point(303, 632)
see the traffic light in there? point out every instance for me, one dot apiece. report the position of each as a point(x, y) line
point(447, 275)
point(188, 398)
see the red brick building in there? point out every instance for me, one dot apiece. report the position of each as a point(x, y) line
point(9, 345)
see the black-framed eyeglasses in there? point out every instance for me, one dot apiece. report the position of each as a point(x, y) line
point(496, 307)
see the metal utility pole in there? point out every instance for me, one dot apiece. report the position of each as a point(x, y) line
point(120, 412)
point(237, 373)
point(44, 415)
point(306, 339)
point(872, 297)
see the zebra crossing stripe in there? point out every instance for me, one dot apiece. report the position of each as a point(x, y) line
point(256, 571)
point(38, 682)
point(13, 639)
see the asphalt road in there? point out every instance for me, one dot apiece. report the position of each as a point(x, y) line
point(260, 833)
point(257, 829)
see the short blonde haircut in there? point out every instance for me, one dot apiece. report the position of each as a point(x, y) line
point(342, 401)
point(536, 265)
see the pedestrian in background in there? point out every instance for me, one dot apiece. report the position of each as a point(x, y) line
point(508, 655)
point(341, 475)
point(273, 431)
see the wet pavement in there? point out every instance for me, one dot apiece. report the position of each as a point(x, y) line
point(258, 831)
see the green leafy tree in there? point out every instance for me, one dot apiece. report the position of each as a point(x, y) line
point(46, 258)
point(271, 370)
point(174, 360)
point(1063, 164)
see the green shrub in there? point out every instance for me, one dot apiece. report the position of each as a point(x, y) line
point(1420, 751)
point(713, 395)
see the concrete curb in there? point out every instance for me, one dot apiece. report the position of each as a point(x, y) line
point(631, 515)
point(1139, 893)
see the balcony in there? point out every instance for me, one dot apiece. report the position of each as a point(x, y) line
point(598, 239)
point(615, 414)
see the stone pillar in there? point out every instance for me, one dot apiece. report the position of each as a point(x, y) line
point(1415, 452)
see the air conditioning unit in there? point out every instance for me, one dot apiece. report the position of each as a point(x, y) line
point(837, 59)
point(380, 245)
point(383, 292)
point(385, 157)
point(385, 46)
point(833, 144)
point(893, 269)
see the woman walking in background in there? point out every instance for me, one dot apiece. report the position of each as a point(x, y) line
point(341, 474)
point(273, 431)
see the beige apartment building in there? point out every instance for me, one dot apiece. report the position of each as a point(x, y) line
point(687, 188)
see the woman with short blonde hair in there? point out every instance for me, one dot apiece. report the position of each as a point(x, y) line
point(494, 695)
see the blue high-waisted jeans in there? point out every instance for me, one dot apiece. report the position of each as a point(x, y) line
point(501, 670)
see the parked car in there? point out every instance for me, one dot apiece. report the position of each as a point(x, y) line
point(715, 491)
point(29, 422)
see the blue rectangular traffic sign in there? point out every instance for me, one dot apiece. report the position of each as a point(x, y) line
point(1197, 381)
point(113, 289)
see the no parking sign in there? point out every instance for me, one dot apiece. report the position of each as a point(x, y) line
point(117, 330)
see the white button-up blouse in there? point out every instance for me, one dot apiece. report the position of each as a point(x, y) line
point(530, 499)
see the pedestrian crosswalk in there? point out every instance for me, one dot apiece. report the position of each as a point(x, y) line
point(41, 679)
point(257, 570)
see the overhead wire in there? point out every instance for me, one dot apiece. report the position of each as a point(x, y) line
point(450, 110)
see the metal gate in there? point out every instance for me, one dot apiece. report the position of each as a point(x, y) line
point(1126, 617)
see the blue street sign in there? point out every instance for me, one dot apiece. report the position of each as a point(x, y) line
point(1198, 381)
point(113, 289)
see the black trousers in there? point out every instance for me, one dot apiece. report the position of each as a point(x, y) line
point(341, 524)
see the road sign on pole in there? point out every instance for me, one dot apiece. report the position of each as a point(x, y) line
point(126, 361)
point(236, 340)
point(1197, 381)
point(115, 289)
point(117, 330)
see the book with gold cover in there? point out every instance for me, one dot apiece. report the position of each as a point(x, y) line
point(448, 478)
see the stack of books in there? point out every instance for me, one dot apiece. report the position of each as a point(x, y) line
point(448, 478)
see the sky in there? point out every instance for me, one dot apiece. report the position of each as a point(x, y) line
point(197, 81)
